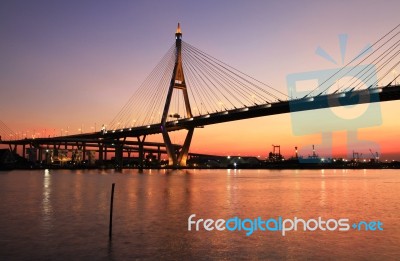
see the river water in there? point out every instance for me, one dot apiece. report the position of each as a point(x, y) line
point(64, 215)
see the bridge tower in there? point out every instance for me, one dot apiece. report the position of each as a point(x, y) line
point(178, 83)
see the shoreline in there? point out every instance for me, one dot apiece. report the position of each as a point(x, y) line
point(395, 165)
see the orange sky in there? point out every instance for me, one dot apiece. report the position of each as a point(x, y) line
point(255, 137)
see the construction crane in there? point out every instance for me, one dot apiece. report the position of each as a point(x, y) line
point(357, 156)
point(275, 155)
point(375, 157)
point(278, 151)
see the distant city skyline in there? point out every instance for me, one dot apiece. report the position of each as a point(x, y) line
point(69, 67)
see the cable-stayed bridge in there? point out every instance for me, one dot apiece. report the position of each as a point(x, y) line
point(189, 89)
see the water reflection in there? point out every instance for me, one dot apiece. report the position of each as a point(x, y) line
point(322, 201)
point(150, 207)
point(151, 211)
point(47, 209)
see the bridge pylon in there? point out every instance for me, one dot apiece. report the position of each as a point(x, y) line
point(177, 159)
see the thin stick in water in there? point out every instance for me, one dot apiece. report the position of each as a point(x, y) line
point(111, 211)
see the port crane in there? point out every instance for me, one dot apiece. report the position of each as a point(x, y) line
point(375, 157)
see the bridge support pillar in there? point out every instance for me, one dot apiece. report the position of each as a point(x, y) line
point(141, 150)
point(119, 152)
point(183, 154)
point(84, 151)
point(101, 153)
point(119, 155)
point(40, 155)
point(172, 159)
point(178, 159)
point(13, 149)
point(177, 82)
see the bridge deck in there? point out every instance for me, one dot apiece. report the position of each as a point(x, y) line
point(388, 93)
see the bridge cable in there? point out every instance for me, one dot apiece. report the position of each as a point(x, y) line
point(358, 56)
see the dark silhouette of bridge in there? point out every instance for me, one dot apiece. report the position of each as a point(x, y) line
point(189, 89)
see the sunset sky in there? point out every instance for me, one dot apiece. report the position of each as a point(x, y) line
point(73, 64)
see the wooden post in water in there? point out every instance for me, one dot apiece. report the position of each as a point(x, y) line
point(111, 211)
